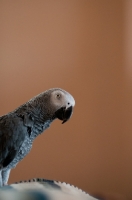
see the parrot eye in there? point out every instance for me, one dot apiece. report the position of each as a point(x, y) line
point(58, 96)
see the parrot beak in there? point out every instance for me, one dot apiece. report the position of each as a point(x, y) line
point(64, 114)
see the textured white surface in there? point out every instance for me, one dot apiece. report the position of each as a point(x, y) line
point(54, 190)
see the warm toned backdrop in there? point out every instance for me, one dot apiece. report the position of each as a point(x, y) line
point(84, 47)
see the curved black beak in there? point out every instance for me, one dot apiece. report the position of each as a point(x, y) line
point(64, 114)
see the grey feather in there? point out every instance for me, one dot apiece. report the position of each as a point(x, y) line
point(19, 128)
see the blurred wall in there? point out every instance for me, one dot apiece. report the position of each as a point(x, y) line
point(77, 45)
point(128, 98)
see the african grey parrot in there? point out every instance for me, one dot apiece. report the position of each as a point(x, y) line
point(19, 128)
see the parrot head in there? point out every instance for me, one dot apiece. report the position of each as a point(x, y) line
point(64, 103)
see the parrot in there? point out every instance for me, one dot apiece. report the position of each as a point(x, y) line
point(19, 128)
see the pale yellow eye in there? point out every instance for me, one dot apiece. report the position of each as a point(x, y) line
point(58, 96)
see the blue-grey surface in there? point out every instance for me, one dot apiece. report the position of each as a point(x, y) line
point(23, 195)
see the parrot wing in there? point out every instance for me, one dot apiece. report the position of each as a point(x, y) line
point(12, 135)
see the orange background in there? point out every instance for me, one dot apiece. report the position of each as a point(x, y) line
point(84, 47)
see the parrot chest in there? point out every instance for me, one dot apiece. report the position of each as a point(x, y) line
point(27, 144)
point(24, 150)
